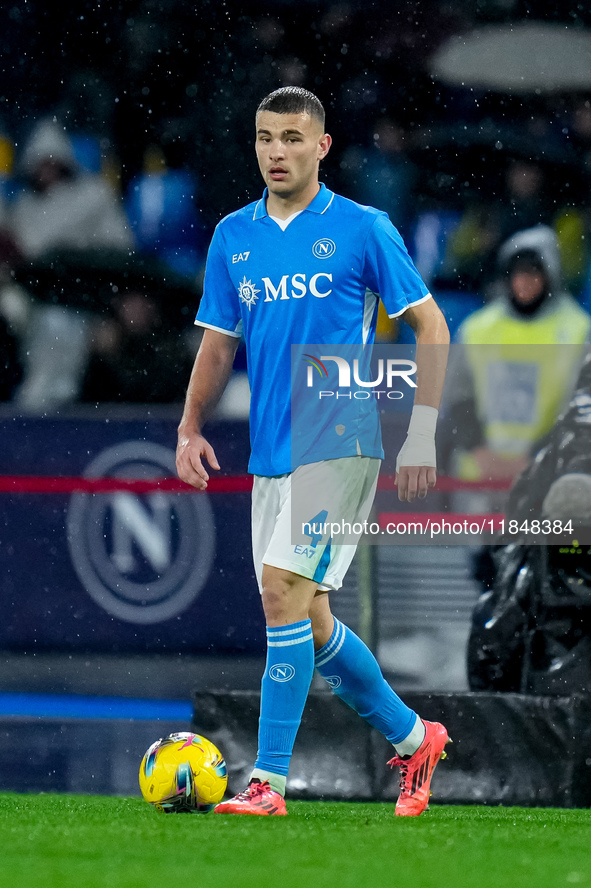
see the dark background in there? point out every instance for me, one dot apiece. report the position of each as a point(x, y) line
point(190, 75)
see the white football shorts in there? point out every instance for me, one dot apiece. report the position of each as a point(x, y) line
point(297, 519)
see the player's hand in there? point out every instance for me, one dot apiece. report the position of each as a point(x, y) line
point(413, 481)
point(190, 452)
point(415, 464)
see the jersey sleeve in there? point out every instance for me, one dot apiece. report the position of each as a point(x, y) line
point(389, 270)
point(219, 308)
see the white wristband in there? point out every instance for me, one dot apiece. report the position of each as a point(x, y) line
point(423, 420)
point(419, 447)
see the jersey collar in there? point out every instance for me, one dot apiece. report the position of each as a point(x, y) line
point(319, 205)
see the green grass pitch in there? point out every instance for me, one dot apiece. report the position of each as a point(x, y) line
point(67, 841)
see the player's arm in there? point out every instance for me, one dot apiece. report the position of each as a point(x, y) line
point(209, 377)
point(416, 463)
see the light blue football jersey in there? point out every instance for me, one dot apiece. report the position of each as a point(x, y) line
point(316, 282)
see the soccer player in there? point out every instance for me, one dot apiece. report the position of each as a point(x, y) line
point(304, 265)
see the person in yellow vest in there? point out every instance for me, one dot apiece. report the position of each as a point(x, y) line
point(514, 363)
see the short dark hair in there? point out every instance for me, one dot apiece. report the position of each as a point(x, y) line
point(293, 100)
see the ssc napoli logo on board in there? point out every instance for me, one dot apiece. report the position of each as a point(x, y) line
point(324, 248)
point(143, 558)
point(282, 672)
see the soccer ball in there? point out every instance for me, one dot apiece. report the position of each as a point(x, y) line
point(183, 772)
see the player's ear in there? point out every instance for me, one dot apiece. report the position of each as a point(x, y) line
point(324, 144)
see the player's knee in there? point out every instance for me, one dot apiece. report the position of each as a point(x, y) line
point(274, 603)
point(282, 602)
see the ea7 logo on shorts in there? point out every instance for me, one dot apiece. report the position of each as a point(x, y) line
point(305, 550)
point(324, 248)
point(281, 672)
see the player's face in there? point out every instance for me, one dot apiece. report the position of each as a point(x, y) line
point(289, 148)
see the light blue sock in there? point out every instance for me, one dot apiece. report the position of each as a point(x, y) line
point(284, 689)
point(354, 675)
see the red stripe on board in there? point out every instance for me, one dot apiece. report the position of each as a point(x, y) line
point(216, 484)
point(65, 484)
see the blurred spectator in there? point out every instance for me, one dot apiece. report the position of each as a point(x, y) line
point(6, 164)
point(10, 366)
point(573, 222)
point(502, 400)
point(580, 133)
point(572, 226)
point(11, 370)
point(471, 249)
point(61, 207)
point(504, 387)
point(524, 204)
point(15, 307)
point(162, 211)
point(135, 357)
point(382, 175)
point(431, 248)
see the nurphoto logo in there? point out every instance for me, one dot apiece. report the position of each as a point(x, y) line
point(389, 372)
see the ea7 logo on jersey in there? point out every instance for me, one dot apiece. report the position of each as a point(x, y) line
point(240, 257)
point(297, 286)
point(324, 248)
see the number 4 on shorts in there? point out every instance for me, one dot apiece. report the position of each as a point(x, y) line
point(316, 528)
